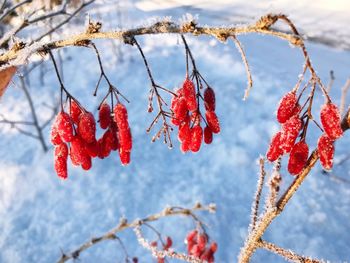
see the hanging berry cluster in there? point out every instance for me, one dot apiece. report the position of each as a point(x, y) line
point(198, 246)
point(73, 131)
point(294, 123)
point(185, 106)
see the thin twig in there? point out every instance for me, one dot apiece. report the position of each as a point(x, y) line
point(344, 92)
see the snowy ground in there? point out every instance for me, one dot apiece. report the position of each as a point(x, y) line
point(41, 214)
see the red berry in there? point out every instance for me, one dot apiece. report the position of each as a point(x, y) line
point(87, 127)
point(209, 99)
point(213, 121)
point(184, 132)
point(298, 158)
point(86, 162)
point(55, 137)
point(290, 131)
point(189, 93)
point(180, 111)
point(286, 107)
point(275, 151)
point(196, 117)
point(64, 126)
point(60, 165)
point(91, 149)
point(103, 151)
point(185, 146)
point(168, 244)
point(124, 157)
point(325, 148)
point(208, 135)
point(202, 241)
point(121, 116)
point(77, 150)
point(61, 151)
point(125, 139)
point(104, 115)
point(191, 236)
point(115, 142)
point(330, 119)
point(75, 111)
point(196, 138)
point(214, 247)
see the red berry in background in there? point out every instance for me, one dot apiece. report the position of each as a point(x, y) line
point(189, 93)
point(290, 132)
point(55, 137)
point(115, 141)
point(330, 119)
point(286, 107)
point(184, 132)
point(213, 121)
point(87, 127)
point(209, 99)
point(298, 158)
point(75, 111)
point(104, 115)
point(124, 157)
point(325, 148)
point(275, 151)
point(64, 126)
point(60, 165)
point(208, 135)
point(61, 151)
point(121, 116)
point(196, 138)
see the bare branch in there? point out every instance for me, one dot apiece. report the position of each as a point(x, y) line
point(344, 92)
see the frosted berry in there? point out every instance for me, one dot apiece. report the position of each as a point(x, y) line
point(121, 116)
point(125, 139)
point(202, 241)
point(75, 111)
point(208, 135)
point(55, 137)
point(184, 132)
point(91, 149)
point(196, 138)
point(64, 126)
point(60, 165)
point(103, 151)
point(298, 158)
point(330, 119)
point(124, 157)
point(195, 117)
point(87, 127)
point(191, 236)
point(213, 121)
point(104, 115)
point(186, 146)
point(189, 93)
point(325, 148)
point(77, 150)
point(290, 132)
point(86, 162)
point(286, 107)
point(275, 151)
point(61, 151)
point(180, 111)
point(209, 99)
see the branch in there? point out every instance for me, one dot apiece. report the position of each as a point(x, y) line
point(287, 254)
point(123, 224)
point(344, 92)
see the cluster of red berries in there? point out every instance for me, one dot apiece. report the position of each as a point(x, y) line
point(165, 246)
point(197, 246)
point(74, 134)
point(284, 141)
point(187, 116)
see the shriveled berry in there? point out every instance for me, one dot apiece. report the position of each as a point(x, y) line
point(64, 126)
point(213, 121)
point(286, 107)
point(298, 158)
point(290, 131)
point(55, 137)
point(124, 157)
point(121, 116)
point(330, 119)
point(104, 115)
point(196, 138)
point(325, 148)
point(61, 151)
point(75, 111)
point(275, 150)
point(60, 165)
point(208, 135)
point(189, 93)
point(209, 99)
point(87, 127)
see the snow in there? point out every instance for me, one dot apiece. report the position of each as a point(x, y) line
point(40, 214)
